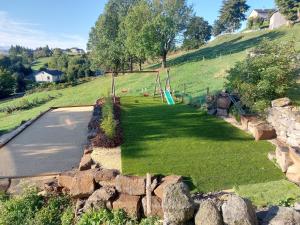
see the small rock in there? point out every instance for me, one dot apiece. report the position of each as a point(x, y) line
point(238, 211)
point(177, 204)
point(83, 184)
point(131, 185)
point(208, 214)
point(86, 162)
point(4, 185)
point(65, 179)
point(281, 102)
point(130, 204)
point(281, 216)
point(156, 207)
point(99, 199)
point(159, 191)
point(106, 175)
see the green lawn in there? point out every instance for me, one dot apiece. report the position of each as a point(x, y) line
point(40, 63)
point(163, 139)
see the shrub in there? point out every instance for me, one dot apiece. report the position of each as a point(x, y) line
point(67, 217)
point(265, 75)
point(108, 123)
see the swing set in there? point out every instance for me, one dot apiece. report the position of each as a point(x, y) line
point(165, 94)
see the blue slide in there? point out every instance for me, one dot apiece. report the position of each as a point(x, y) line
point(169, 98)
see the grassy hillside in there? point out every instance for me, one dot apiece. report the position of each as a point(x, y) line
point(40, 63)
point(198, 70)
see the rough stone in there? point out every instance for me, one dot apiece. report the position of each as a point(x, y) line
point(105, 175)
point(99, 199)
point(283, 157)
point(272, 156)
point(65, 179)
point(4, 185)
point(295, 156)
point(86, 162)
point(253, 123)
point(293, 174)
point(245, 120)
point(156, 207)
point(173, 179)
point(131, 185)
point(238, 211)
point(223, 102)
point(281, 102)
point(52, 186)
point(208, 214)
point(130, 204)
point(264, 132)
point(79, 206)
point(177, 204)
point(222, 112)
point(212, 111)
point(282, 216)
point(83, 184)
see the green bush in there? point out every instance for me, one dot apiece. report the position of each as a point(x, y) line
point(67, 217)
point(266, 74)
point(108, 123)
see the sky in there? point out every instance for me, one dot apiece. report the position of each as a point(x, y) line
point(67, 23)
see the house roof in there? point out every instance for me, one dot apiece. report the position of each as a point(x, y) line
point(52, 72)
point(264, 10)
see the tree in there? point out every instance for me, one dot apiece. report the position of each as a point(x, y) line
point(170, 19)
point(106, 44)
point(7, 83)
point(254, 78)
point(218, 28)
point(232, 13)
point(198, 32)
point(289, 8)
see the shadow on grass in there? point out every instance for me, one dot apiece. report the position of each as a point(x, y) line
point(225, 48)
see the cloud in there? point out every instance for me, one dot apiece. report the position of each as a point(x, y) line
point(14, 32)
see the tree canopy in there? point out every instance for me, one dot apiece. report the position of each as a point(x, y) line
point(289, 8)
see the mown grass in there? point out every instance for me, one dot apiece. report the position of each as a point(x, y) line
point(269, 193)
point(40, 63)
point(162, 139)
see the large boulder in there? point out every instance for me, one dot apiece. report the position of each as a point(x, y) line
point(281, 102)
point(156, 207)
point(106, 177)
point(131, 185)
point(223, 101)
point(283, 158)
point(100, 199)
point(222, 112)
point(208, 214)
point(65, 179)
point(173, 179)
point(245, 119)
point(130, 204)
point(281, 216)
point(238, 211)
point(178, 206)
point(264, 131)
point(83, 184)
point(4, 185)
point(293, 174)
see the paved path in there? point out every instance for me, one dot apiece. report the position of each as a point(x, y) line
point(52, 144)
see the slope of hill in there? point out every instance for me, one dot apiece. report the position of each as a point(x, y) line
point(197, 70)
point(40, 63)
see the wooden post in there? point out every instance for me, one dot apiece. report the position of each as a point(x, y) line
point(148, 194)
point(113, 88)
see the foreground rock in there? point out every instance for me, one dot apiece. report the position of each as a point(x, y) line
point(156, 209)
point(159, 191)
point(131, 185)
point(83, 184)
point(130, 204)
point(281, 102)
point(238, 211)
point(264, 131)
point(86, 162)
point(282, 216)
point(178, 207)
point(283, 157)
point(65, 179)
point(106, 177)
point(100, 199)
point(208, 214)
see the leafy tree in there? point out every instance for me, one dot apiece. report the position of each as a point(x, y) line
point(289, 8)
point(170, 19)
point(218, 28)
point(106, 44)
point(232, 13)
point(7, 83)
point(265, 76)
point(198, 32)
point(42, 52)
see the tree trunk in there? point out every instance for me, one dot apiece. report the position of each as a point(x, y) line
point(131, 64)
point(140, 64)
point(164, 60)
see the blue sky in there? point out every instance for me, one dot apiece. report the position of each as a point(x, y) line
point(66, 23)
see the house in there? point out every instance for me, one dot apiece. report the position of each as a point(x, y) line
point(260, 13)
point(77, 51)
point(48, 76)
point(278, 20)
